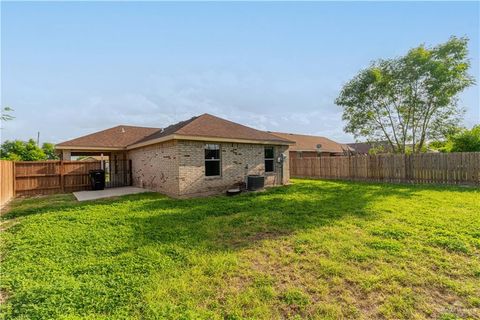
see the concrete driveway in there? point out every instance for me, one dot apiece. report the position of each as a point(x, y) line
point(107, 193)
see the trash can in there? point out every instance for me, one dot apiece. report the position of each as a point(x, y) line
point(97, 179)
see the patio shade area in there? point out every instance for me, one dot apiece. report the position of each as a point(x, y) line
point(107, 193)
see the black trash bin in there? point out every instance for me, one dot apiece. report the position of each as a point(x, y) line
point(97, 179)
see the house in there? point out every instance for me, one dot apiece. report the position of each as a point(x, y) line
point(307, 146)
point(91, 158)
point(380, 147)
point(363, 148)
point(199, 156)
point(360, 148)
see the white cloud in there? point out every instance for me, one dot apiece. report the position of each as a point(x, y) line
point(249, 98)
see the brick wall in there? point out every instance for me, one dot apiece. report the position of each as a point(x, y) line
point(178, 168)
point(155, 167)
point(237, 160)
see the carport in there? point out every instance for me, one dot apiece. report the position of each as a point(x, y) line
point(108, 147)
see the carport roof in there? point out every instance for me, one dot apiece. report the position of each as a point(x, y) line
point(117, 138)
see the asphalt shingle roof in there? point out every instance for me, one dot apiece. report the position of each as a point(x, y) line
point(205, 125)
point(309, 143)
point(116, 137)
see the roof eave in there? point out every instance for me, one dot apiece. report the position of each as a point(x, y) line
point(66, 147)
point(315, 150)
point(206, 138)
point(234, 140)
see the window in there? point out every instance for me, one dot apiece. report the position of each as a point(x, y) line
point(269, 159)
point(212, 160)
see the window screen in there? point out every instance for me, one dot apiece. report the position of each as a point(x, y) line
point(269, 159)
point(212, 160)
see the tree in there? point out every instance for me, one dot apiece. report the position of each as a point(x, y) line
point(466, 140)
point(440, 145)
point(21, 150)
point(459, 140)
point(409, 100)
point(5, 114)
point(445, 143)
point(49, 150)
point(18, 150)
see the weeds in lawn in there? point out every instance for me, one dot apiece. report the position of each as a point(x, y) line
point(314, 249)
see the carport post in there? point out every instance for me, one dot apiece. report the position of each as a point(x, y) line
point(130, 171)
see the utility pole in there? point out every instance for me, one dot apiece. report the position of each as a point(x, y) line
point(38, 139)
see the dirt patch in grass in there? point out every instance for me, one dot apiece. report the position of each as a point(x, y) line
point(316, 249)
point(3, 297)
point(237, 242)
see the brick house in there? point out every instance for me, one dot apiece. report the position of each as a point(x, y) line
point(200, 156)
point(307, 146)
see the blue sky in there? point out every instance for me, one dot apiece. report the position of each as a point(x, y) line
point(73, 68)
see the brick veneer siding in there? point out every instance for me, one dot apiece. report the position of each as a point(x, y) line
point(155, 167)
point(237, 160)
point(177, 168)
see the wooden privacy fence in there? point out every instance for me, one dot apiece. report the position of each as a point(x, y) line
point(6, 181)
point(48, 177)
point(447, 168)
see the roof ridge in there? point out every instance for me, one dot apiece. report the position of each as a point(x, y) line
point(131, 130)
point(184, 123)
point(205, 125)
point(300, 134)
point(166, 130)
point(88, 134)
point(130, 126)
point(234, 123)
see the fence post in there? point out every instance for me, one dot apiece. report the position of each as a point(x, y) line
point(405, 164)
point(62, 177)
point(14, 179)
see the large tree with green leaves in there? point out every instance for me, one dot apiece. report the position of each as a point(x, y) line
point(6, 114)
point(18, 150)
point(49, 150)
point(466, 140)
point(459, 140)
point(408, 100)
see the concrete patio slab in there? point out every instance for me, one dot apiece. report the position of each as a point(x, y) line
point(107, 193)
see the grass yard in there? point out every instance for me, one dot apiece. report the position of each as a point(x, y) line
point(315, 249)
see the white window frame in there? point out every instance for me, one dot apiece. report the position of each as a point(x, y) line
point(219, 160)
point(272, 159)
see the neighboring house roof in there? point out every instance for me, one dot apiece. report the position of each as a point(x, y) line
point(92, 158)
point(309, 143)
point(361, 147)
point(203, 127)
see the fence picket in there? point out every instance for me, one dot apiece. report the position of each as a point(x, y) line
point(7, 186)
point(49, 177)
point(444, 168)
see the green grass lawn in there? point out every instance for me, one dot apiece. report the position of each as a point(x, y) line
point(315, 249)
